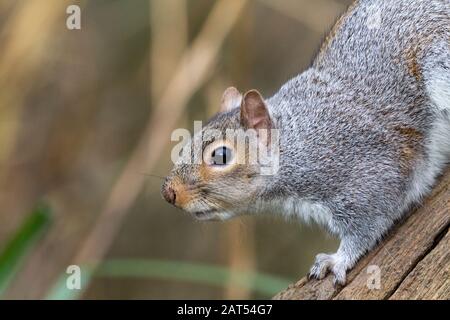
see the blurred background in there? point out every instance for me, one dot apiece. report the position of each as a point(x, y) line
point(85, 123)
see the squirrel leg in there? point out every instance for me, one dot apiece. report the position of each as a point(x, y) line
point(349, 252)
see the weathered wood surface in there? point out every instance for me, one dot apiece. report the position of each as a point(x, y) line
point(414, 260)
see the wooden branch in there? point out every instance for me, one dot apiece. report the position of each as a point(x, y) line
point(414, 259)
point(429, 280)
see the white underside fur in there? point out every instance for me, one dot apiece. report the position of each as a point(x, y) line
point(437, 144)
point(307, 210)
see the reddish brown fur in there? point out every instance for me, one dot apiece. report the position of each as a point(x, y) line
point(412, 64)
point(183, 196)
point(410, 148)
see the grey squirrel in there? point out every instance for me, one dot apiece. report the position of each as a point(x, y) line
point(363, 133)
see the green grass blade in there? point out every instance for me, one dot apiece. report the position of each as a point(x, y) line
point(198, 273)
point(175, 270)
point(20, 244)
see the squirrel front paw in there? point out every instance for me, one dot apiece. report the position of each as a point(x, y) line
point(329, 262)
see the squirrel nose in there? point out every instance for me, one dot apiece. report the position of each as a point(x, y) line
point(169, 194)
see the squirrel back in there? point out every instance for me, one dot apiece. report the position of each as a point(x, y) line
point(376, 96)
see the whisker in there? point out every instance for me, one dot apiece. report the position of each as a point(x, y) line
point(153, 176)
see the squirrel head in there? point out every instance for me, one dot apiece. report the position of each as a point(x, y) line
point(220, 172)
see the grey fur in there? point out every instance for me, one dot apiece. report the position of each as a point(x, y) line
point(365, 131)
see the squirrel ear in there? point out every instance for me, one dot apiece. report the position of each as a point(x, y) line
point(231, 99)
point(254, 113)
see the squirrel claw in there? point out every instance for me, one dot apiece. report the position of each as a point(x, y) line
point(339, 276)
point(320, 267)
point(325, 263)
point(310, 276)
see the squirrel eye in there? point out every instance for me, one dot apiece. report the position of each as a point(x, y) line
point(221, 156)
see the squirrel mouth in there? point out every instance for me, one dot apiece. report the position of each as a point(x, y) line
point(205, 215)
